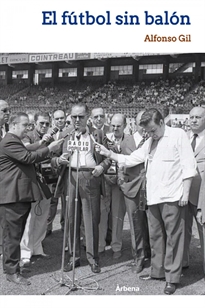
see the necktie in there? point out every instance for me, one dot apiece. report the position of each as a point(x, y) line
point(193, 144)
point(60, 134)
point(144, 138)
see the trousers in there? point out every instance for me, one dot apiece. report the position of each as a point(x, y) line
point(15, 216)
point(114, 202)
point(88, 204)
point(167, 235)
point(190, 214)
point(53, 211)
point(138, 229)
point(35, 229)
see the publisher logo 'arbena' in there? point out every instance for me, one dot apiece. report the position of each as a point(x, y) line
point(126, 289)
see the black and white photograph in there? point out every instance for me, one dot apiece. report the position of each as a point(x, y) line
point(102, 160)
point(102, 153)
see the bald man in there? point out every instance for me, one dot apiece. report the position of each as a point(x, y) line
point(4, 117)
point(114, 200)
point(197, 140)
point(124, 197)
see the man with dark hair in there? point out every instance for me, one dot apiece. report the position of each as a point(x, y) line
point(18, 188)
point(170, 167)
point(91, 166)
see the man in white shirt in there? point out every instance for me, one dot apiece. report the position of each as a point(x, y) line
point(197, 139)
point(170, 167)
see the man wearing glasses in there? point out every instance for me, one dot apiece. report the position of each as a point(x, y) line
point(19, 187)
point(35, 230)
point(91, 166)
point(4, 117)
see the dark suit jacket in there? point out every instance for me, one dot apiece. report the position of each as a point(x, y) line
point(201, 203)
point(105, 130)
point(104, 162)
point(133, 177)
point(18, 181)
point(196, 182)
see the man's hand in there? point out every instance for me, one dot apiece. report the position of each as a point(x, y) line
point(55, 145)
point(98, 171)
point(199, 217)
point(184, 199)
point(46, 138)
point(63, 159)
point(99, 148)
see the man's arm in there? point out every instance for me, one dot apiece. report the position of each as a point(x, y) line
point(186, 188)
point(135, 158)
point(17, 151)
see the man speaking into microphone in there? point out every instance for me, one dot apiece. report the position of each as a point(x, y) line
point(91, 166)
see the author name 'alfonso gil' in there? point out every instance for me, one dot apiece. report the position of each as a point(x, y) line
point(184, 38)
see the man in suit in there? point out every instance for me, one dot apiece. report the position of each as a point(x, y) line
point(170, 166)
point(197, 139)
point(98, 123)
point(91, 166)
point(59, 122)
point(18, 188)
point(113, 201)
point(98, 120)
point(35, 229)
point(131, 182)
point(200, 216)
point(4, 117)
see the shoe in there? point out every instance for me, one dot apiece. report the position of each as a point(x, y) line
point(43, 256)
point(18, 279)
point(170, 288)
point(69, 266)
point(185, 267)
point(95, 268)
point(25, 262)
point(49, 232)
point(148, 277)
point(138, 267)
point(117, 255)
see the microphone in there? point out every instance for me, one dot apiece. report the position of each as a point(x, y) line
point(54, 131)
point(82, 132)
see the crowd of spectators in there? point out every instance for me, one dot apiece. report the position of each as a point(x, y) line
point(175, 96)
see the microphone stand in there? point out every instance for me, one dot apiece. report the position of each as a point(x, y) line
point(61, 282)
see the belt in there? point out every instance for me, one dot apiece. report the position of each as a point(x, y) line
point(82, 169)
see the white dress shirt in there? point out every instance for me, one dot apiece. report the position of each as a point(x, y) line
point(85, 145)
point(137, 138)
point(172, 162)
